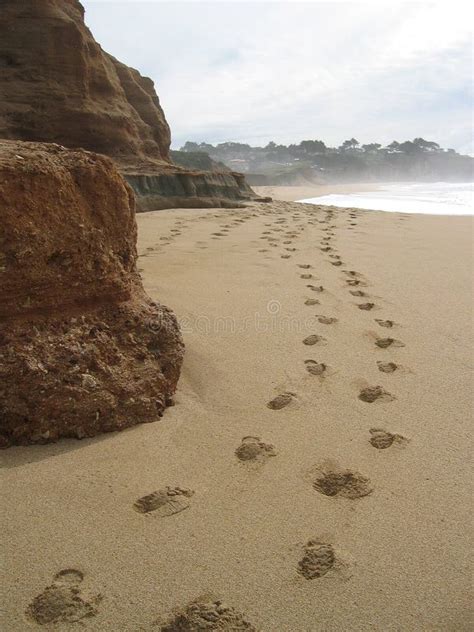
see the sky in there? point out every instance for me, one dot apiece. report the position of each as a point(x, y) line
point(263, 71)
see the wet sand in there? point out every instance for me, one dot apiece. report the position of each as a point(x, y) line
point(295, 193)
point(319, 524)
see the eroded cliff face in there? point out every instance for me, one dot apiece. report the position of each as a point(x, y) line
point(83, 349)
point(58, 85)
point(189, 189)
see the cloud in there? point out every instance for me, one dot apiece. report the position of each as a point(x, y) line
point(258, 71)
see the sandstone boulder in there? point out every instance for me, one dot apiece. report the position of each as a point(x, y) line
point(83, 349)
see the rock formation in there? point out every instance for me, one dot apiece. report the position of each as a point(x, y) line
point(83, 350)
point(58, 85)
point(193, 189)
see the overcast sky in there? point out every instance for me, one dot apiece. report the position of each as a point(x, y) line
point(287, 71)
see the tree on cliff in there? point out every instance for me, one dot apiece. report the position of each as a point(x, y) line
point(371, 147)
point(312, 146)
point(426, 145)
point(191, 146)
point(349, 144)
point(394, 146)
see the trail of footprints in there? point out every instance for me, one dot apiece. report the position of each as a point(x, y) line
point(353, 279)
point(224, 229)
point(64, 601)
point(320, 557)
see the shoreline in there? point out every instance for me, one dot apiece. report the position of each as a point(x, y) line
point(295, 193)
point(414, 198)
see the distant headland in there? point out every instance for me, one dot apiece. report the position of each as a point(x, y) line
point(313, 161)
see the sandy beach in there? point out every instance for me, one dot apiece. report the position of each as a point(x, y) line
point(295, 193)
point(331, 526)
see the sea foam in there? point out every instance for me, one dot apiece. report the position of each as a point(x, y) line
point(434, 198)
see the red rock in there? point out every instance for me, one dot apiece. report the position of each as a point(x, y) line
point(58, 85)
point(83, 349)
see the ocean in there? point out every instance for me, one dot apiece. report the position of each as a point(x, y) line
point(433, 198)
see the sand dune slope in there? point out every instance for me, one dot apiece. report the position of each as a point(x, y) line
point(313, 474)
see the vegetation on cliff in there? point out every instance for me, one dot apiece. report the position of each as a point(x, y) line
point(419, 159)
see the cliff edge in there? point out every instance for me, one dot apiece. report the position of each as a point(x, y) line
point(59, 86)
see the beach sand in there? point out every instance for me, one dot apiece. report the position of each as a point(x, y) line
point(389, 546)
point(295, 193)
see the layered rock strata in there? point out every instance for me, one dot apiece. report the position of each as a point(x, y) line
point(83, 349)
point(58, 85)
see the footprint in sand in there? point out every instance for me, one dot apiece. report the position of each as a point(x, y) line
point(165, 502)
point(62, 601)
point(318, 559)
point(366, 306)
point(315, 368)
point(387, 367)
point(306, 276)
point(371, 394)
point(381, 439)
point(305, 266)
point(345, 483)
point(357, 293)
point(313, 339)
point(212, 616)
point(254, 449)
point(384, 343)
point(280, 401)
point(316, 288)
point(355, 282)
point(336, 263)
point(326, 249)
point(312, 301)
point(384, 323)
point(327, 320)
point(285, 256)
